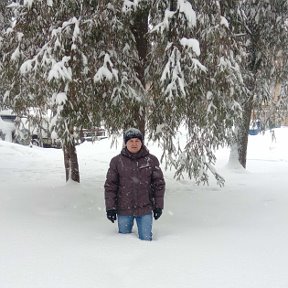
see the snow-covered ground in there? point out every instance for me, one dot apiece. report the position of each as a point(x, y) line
point(56, 235)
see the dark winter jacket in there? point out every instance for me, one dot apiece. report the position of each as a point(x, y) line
point(135, 184)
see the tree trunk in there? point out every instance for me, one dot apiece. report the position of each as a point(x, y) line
point(243, 129)
point(71, 162)
point(173, 5)
point(242, 133)
point(140, 30)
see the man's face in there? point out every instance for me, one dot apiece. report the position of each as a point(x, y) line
point(134, 145)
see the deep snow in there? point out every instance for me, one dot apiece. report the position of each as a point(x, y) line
point(56, 235)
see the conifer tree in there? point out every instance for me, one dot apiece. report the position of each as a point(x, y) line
point(5, 18)
point(261, 27)
point(154, 64)
point(67, 56)
point(197, 83)
point(72, 60)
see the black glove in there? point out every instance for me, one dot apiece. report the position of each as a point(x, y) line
point(112, 215)
point(157, 213)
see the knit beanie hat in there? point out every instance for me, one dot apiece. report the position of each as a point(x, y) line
point(132, 133)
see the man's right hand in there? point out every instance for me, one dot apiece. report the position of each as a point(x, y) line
point(157, 213)
point(112, 215)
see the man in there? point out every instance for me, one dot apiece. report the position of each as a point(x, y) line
point(134, 187)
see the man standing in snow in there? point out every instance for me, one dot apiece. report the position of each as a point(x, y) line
point(134, 187)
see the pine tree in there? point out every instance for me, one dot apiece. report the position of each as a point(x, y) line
point(197, 83)
point(5, 18)
point(153, 64)
point(262, 30)
point(68, 57)
point(72, 60)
